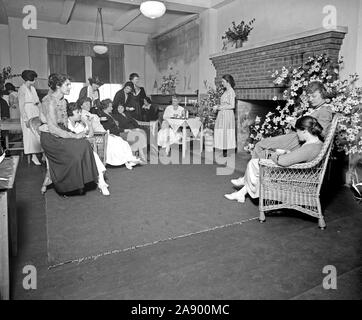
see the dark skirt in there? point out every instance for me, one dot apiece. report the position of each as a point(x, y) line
point(71, 162)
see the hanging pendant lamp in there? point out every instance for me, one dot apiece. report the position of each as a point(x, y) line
point(100, 48)
point(153, 9)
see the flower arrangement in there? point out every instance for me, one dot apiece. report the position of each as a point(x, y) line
point(5, 74)
point(205, 110)
point(344, 96)
point(168, 85)
point(239, 32)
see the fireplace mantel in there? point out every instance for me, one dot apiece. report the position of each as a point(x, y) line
point(253, 65)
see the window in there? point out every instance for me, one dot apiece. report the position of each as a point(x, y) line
point(100, 68)
point(76, 68)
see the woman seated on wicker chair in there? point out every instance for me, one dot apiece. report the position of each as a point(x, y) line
point(77, 125)
point(309, 131)
point(322, 111)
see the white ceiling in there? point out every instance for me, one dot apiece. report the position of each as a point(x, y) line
point(120, 14)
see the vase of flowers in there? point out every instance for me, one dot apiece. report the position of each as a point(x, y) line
point(237, 34)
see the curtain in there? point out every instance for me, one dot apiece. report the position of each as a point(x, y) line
point(58, 49)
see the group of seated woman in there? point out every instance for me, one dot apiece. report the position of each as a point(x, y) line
point(72, 162)
point(300, 145)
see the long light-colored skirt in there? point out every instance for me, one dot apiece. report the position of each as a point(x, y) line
point(168, 135)
point(251, 178)
point(224, 133)
point(30, 140)
point(118, 151)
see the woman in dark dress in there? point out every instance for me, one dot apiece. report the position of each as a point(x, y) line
point(92, 91)
point(149, 112)
point(70, 156)
point(136, 97)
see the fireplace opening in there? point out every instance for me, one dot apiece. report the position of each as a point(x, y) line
point(247, 111)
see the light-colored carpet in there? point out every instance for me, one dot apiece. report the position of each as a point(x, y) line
point(149, 204)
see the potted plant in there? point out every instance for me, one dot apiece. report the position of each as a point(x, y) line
point(207, 115)
point(238, 34)
point(5, 75)
point(168, 85)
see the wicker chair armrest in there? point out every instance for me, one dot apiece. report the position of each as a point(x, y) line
point(268, 163)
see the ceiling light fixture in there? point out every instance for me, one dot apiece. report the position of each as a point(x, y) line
point(100, 48)
point(153, 9)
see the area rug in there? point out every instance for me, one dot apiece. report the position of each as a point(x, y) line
point(148, 204)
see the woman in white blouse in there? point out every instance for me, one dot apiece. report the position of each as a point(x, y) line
point(29, 108)
point(166, 137)
point(224, 132)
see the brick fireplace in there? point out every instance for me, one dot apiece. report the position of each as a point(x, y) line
point(253, 66)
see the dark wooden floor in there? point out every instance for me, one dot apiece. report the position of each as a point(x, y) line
point(282, 259)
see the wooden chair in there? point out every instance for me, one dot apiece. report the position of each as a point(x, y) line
point(298, 186)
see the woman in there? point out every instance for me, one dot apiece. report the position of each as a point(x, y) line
point(29, 108)
point(119, 151)
point(308, 131)
point(167, 137)
point(92, 91)
point(122, 97)
point(149, 112)
point(13, 100)
point(224, 136)
point(322, 112)
point(137, 96)
point(86, 115)
point(77, 125)
point(70, 155)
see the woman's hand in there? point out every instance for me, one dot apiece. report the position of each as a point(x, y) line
point(80, 135)
point(215, 108)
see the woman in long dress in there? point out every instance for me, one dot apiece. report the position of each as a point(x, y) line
point(78, 125)
point(29, 108)
point(308, 131)
point(119, 152)
point(224, 132)
point(70, 155)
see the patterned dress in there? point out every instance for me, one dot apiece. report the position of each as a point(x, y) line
point(224, 133)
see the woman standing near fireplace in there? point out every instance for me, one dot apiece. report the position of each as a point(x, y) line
point(224, 133)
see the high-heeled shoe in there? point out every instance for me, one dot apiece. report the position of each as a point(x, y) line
point(129, 166)
point(238, 182)
point(35, 160)
point(234, 196)
point(104, 190)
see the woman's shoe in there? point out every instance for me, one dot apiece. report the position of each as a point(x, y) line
point(35, 160)
point(104, 190)
point(129, 166)
point(234, 196)
point(238, 182)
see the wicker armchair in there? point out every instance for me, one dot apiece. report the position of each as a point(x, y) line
point(99, 141)
point(298, 186)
